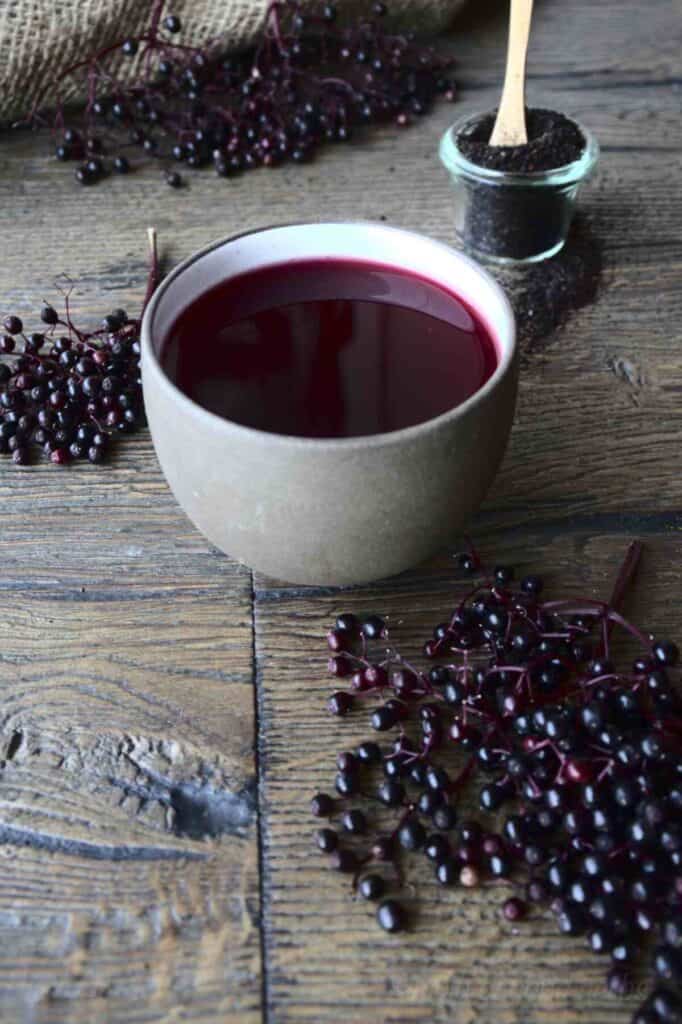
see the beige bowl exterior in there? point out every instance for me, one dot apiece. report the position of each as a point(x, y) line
point(316, 511)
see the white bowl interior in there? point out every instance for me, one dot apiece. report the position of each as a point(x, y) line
point(354, 241)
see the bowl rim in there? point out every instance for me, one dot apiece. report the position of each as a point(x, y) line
point(507, 350)
point(455, 162)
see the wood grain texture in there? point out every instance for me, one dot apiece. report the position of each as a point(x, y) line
point(130, 796)
point(129, 887)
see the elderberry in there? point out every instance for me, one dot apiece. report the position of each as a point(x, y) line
point(327, 839)
point(340, 703)
point(369, 753)
point(411, 835)
point(391, 916)
point(514, 909)
point(371, 887)
point(354, 822)
point(58, 393)
point(447, 871)
point(383, 718)
point(311, 77)
point(344, 860)
point(373, 627)
point(322, 805)
point(588, 758)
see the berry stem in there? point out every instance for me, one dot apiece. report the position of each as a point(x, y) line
point(153, 276)
point(626, 574)
point(623, 581)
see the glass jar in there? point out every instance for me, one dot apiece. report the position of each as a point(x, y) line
point(513, 217)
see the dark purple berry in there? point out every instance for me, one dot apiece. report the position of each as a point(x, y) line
point(322, 805)
point(383, 718)
point(391, 916)
point(619, 981)
point(447, 871)
point(13, 325)
point(347, 623)
point(391, 793)
point(467, 563)
point(514, 909)
point(49, 315)
point(437, 848)
point(665, 652)
point(344, 860)
point(373, 627)
point(411, 835)
point(340, 703)
point(532, 585)
point(346, 783)
point(444, 817)
point(354, 822)
point(371, 887)
point(327, 839)
point(369, 753)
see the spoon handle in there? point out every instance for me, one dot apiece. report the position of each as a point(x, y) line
point(510, 125)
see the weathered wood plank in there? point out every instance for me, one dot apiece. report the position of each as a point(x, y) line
point(594, 460)
point(128, 808)
point(128, 816)
point(571, 42)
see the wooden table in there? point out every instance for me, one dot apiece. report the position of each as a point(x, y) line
point(163, 720)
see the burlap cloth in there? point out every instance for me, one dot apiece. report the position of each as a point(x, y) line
point(40, 38)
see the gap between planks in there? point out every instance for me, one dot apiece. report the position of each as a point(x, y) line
point(259, 760)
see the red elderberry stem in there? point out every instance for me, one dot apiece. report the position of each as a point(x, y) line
point(67, 312)
point(154, 22)
point(339, 82)
point(626, 574)
point(624, 624)
point(575, 606)
point(623, 581)
point(153, 276)
point(87, 62)
point(272, 21)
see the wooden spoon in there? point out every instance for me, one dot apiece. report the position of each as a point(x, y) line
point(510, 125)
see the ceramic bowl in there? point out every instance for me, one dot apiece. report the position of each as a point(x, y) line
point(340, 511)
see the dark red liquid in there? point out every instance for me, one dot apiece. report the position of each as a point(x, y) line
point(328, 348)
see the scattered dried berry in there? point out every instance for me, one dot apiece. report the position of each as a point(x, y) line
point(553, 140)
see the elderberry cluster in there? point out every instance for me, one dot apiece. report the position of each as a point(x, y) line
point(581, 766)
point(65, 392)
point(310, 80)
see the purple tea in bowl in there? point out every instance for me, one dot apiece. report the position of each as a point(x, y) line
point(329, 402)
point(329, 349)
